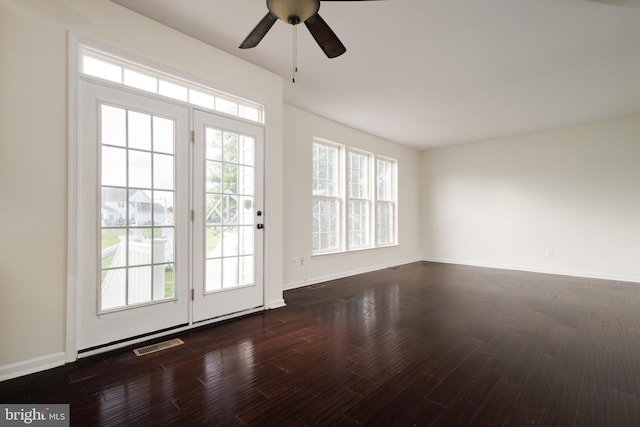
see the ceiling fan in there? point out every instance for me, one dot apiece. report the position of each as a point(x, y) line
point(294, 12)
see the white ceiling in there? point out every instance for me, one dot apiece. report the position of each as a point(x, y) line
point(428, 73)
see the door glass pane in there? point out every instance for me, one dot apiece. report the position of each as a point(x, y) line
point(214, 144)
point(139, 285)
point(139, 169)
point(139, 130)
point(163, 245)
point(113, 208)
point(214, 242)
point(114, 243)
point(213, 209)
point(230, 147)
point(246, 179)
point(114, 166)
point(163, 171)
point(229, 209)
point(114, 126)
point(114, 289)
point(165, 288)
point(229, 272)
point(245, 240)
point(163, 135)
point(139, 246)
point(246, 270)
point(163, 207)
point(213, 281)
point(230, 178)
point(246, 150)
point(139, 207)
point(136, 208)
point(214, 177)
point(245, 208)
point(230, 241)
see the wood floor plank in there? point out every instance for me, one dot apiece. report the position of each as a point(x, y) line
point(469, 399)
point(521, 416)
point(535, 392)
point(448, 390)
point(564, 396)
point(593, 409)
point(625, 409)
point(497, 406)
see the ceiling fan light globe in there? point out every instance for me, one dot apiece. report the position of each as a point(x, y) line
point(289, 10)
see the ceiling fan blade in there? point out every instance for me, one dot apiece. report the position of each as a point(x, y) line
point(325, 37)
point(259, 31)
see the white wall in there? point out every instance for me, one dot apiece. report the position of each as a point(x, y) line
point(564, 201)
point(300, 127)
point(33, 153)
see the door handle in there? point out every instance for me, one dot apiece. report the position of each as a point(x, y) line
point(260, 226)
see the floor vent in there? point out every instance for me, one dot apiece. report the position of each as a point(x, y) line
point(158, 347)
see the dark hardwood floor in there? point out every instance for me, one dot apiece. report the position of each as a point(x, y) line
point(423, 344)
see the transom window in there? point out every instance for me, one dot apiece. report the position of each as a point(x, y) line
point(346, 210)
point(107, 67)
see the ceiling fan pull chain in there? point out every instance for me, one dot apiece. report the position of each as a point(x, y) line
point(295, 53)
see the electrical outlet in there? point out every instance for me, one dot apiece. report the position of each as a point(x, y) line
point(296, 260)
point(550, 252)
point(301, 260)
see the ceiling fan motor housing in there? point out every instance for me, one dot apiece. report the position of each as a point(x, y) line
point(293, 11)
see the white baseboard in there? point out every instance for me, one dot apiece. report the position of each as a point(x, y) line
point(31, 366)
point(560, 272)
point(277, 303)
point(341, 275)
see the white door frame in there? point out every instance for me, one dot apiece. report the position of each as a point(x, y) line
point(71, 348)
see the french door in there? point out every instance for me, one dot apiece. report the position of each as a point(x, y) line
point(133, 216)
point(167, 229)
point(228, 217)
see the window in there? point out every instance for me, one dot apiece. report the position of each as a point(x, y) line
point(358, 212)
point(327, 198)
point(359, 200)
point(385, 202)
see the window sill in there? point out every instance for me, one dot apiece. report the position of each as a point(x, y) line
point(350, 251)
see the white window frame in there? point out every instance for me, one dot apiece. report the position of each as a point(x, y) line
point(344, 199)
